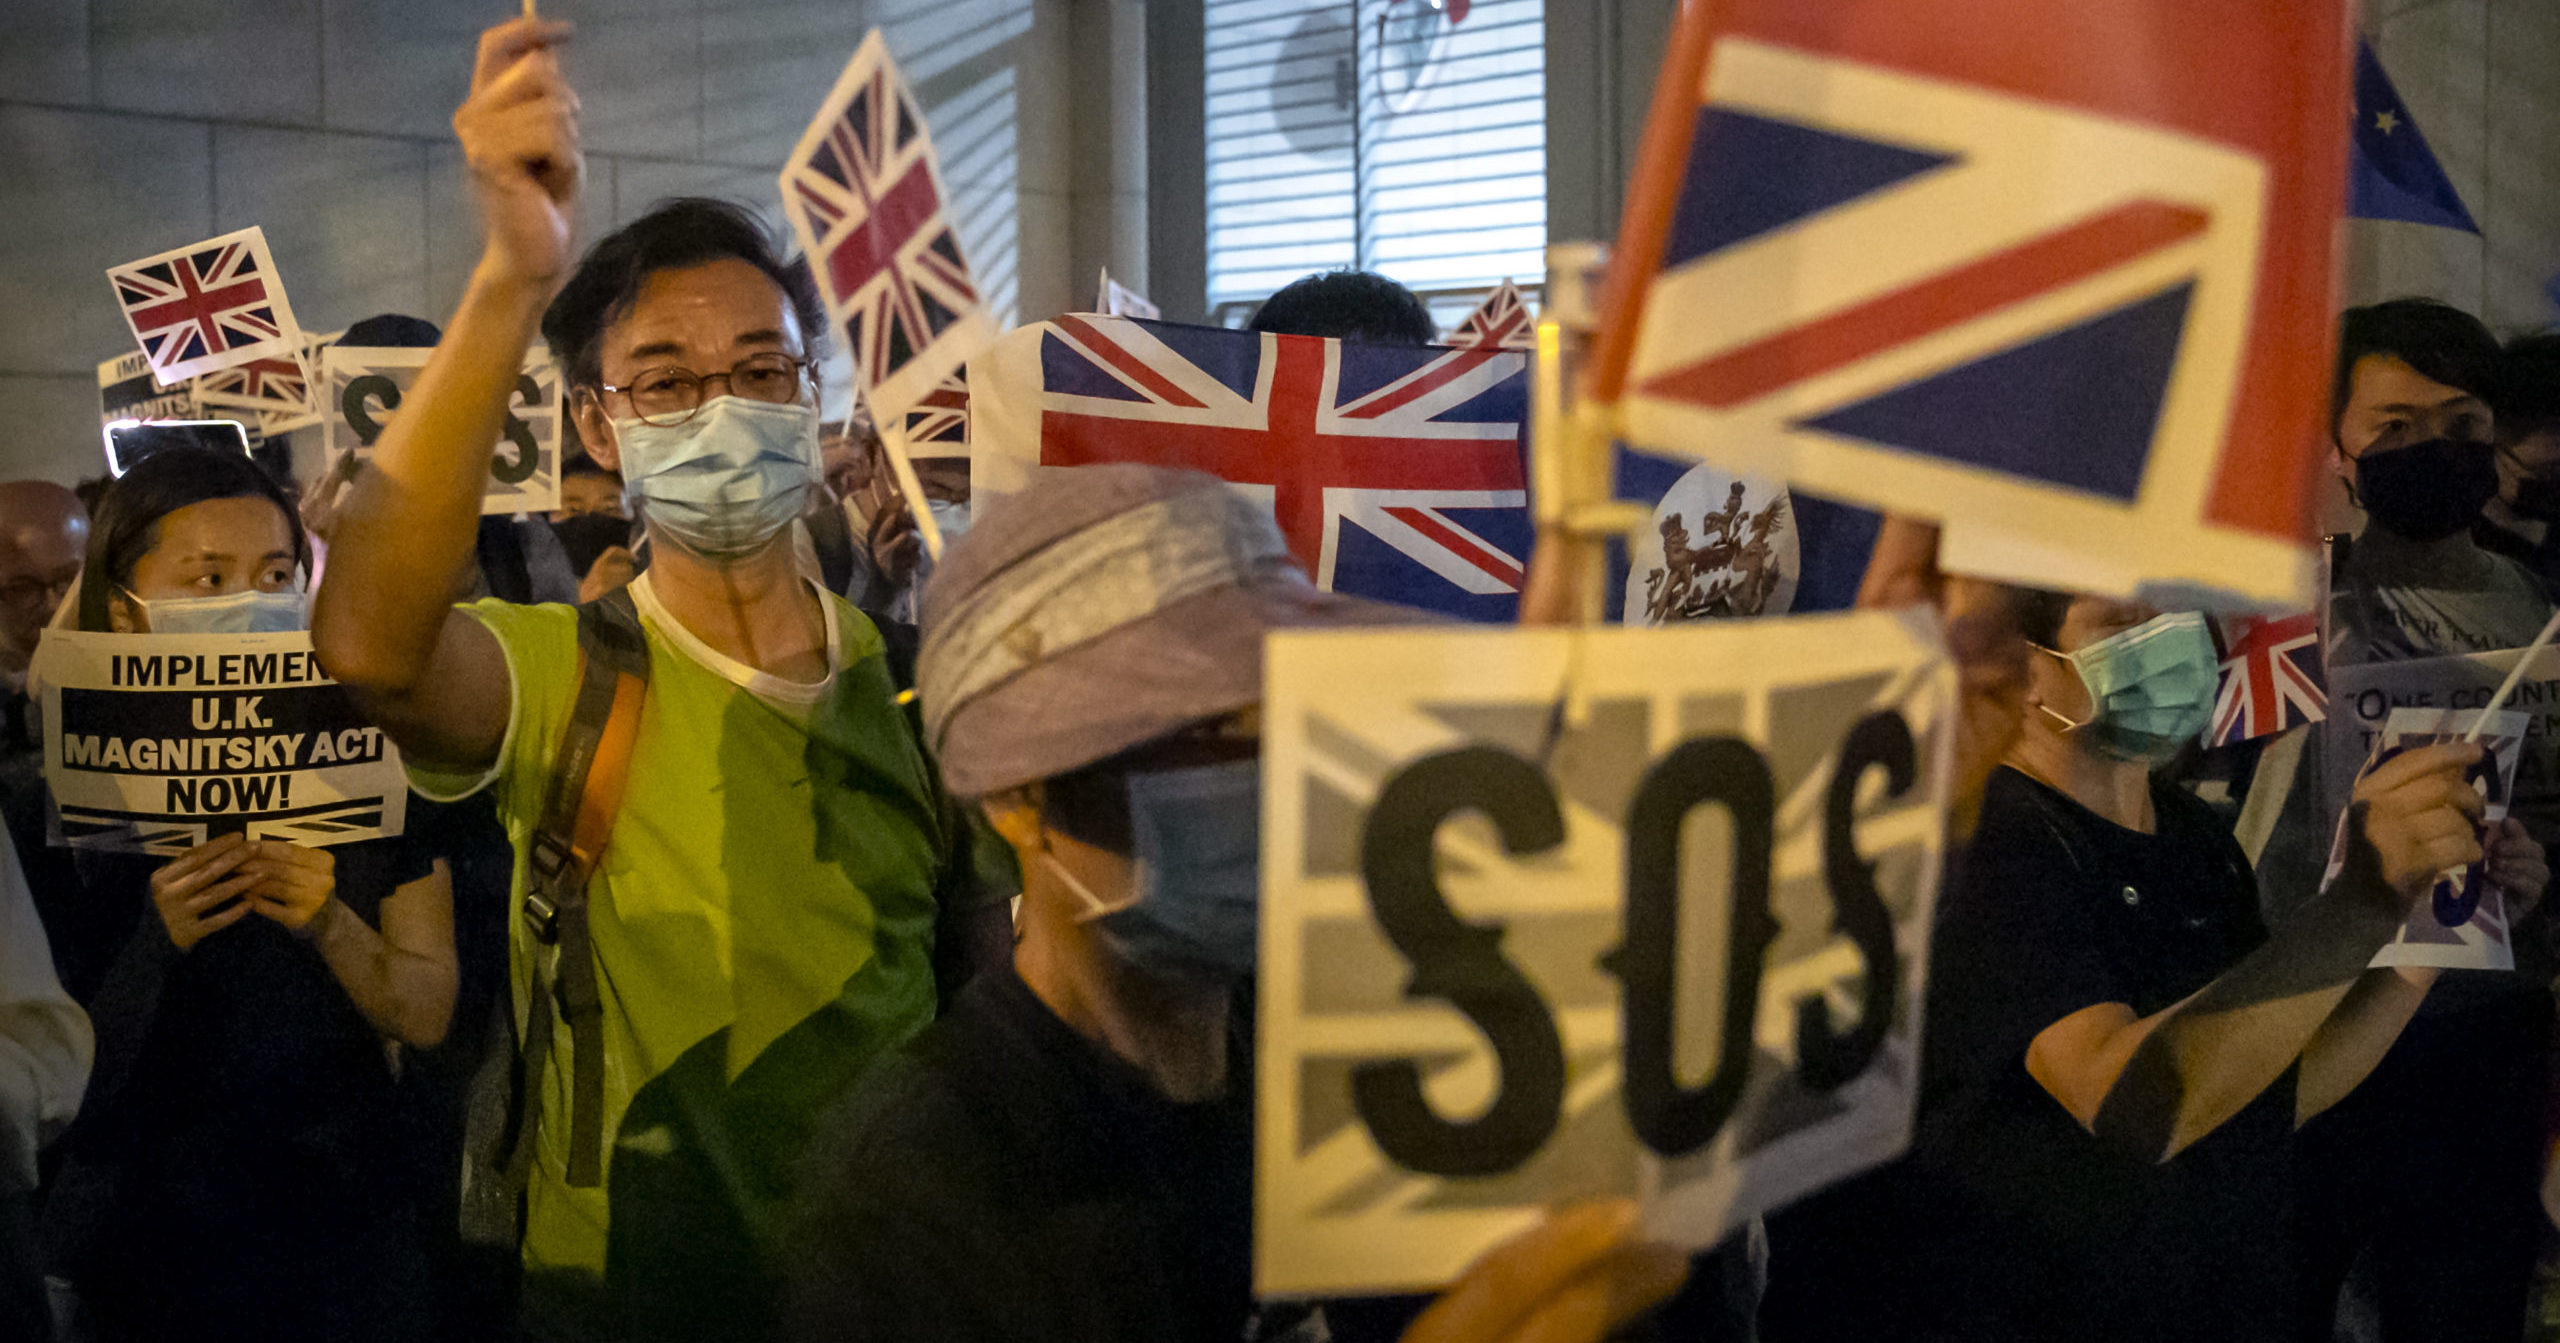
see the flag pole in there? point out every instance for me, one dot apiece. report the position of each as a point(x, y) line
point(2515, 678)
point(528, 11)
point(893, 436)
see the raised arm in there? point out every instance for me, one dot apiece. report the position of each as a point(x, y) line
point(384, 622)
point(2157, 1084)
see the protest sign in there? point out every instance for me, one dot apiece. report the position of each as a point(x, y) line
point(2362, 696)
point(364, 387)
point(158, 742)
point(210, 305)
point(127, 391)
point(1664, 939)
point(2462, 922)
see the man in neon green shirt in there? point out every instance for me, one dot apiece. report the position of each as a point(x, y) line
point(784, 871)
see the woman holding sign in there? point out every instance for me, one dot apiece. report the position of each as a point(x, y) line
point(237, 1173)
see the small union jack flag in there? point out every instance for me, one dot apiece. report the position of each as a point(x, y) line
point(1395, 472)
point(2271, 677)
point(866, 199)
point(1502, 320)
point(210, 306)
point(940, 422)
point(277, 383)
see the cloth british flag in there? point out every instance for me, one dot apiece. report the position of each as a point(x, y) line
point(1395, 472)
point(2053, 274)
point(212, 305)
point(865, 196)
point(1502, 320)
point(2271, 679)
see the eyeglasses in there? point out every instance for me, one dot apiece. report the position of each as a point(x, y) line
point(669, 396)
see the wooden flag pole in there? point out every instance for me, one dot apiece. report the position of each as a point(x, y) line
point(528, 11)
point(893, 436)
point(2515, 678)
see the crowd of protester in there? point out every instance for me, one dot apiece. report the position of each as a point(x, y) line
point(792, 938)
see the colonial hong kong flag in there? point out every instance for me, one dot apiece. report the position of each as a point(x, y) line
point(2056, 275)
point(1395, 472)
point(1502, 320)
point(212, 305)
point(2272, 677)
point(866, 198)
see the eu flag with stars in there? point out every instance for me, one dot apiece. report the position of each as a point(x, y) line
point(2392, 174)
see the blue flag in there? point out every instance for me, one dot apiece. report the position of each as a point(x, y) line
point(2391, 174)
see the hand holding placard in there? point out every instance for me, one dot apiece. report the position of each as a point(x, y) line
point(519, 133)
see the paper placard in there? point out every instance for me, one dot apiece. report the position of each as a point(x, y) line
point(2362, 697)
point(364, 387)
point(1655, 939)
point(158, 742)
point(2462, 923)
point(127, 391)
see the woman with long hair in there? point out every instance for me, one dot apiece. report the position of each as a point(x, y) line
point(236, 1171)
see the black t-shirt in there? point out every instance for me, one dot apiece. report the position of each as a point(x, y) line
point(1004, 1179)
point(2009, 1221)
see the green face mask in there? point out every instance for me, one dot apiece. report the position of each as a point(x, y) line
point(2152, 687)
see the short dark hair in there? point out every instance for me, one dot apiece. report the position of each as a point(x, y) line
point(391, 331)
point(2528, 399)
point(580, 464)
point(1356, 305)
point(125, 526)
point(2041, 612)
point(2437, 339)
point(674, 234)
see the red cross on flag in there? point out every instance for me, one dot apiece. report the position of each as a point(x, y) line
point(206, 306)
point(866, 198)
point(1502, 320)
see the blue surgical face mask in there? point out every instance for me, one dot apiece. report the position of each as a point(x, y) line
point(726, 482)
point(1197, 842)
point(2152, 687)
point(250, 612)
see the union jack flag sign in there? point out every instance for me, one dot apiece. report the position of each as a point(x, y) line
point(1502, 320)
point(277, 383)
point(2271, 677)
point(938, 426)
point(2055, 275)
point(866, 199)
point(1395, 472)
point(211, 305)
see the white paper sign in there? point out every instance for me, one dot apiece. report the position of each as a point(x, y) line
point(2462, 923)
point(158, 742)
point(127, 391)
point(364, 391)
point(1668, 944)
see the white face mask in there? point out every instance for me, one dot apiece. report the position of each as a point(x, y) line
point(250, 612)
point(952, 518)
point(726, 482)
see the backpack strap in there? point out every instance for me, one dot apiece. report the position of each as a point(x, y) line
point(577, 821)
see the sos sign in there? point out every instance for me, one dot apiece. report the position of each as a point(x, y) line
point(365, 388)
point(1660, 933)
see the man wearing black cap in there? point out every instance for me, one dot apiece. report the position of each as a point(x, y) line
point(1067, 1153)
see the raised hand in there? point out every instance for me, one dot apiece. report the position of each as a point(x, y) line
point(199, 892)
point(519, 133)
point(2421, 816)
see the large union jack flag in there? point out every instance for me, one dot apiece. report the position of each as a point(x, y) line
point(2271, 677)
point(213, 305)
point(1395, 472)
point(1502, 320)
point(864, 195)
point(2026, 268)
